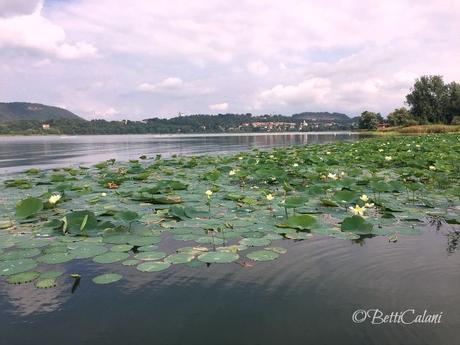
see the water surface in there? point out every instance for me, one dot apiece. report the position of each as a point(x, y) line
point(17, 153)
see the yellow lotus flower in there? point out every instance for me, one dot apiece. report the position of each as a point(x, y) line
point(232, 172)
point(369, 205)
point(357, 210)
point(103, 194)
point(295, 165)
point(54, 199)
point(432, 168)
point(388, 158)
point(208, 193)
point(270, 197)
point(364, 197)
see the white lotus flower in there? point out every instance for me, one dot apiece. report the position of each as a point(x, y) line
point(270, 197)
point(357, 210)
point(364, 198)
point(54, 199)
point(232, 172)
point(332, 176)
point(208, 193)
point(388, 158)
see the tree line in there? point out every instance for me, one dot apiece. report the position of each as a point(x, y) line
point(184, 124)
point(430, 101)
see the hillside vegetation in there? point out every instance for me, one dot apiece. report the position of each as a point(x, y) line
point(21, 111)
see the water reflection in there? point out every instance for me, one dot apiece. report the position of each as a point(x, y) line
point(18, 153)
point(307, 296)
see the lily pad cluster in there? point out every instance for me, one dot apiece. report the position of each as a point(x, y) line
point(153, 213)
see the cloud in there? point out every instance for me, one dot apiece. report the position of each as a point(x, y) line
point(219, 106)
point(258, 68)
point(18, 7)
point(34, 32)
point(158, 58)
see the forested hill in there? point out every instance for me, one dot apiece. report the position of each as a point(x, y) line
point(322, 116)
point(20, 111)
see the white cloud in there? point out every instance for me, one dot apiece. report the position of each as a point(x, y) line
point(162, 57)
point(219, 106)
point(35, 32)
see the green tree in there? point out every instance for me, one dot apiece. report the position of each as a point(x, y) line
point(453, 104)
point(401, 117)
point(428, 99)
point(370, 120)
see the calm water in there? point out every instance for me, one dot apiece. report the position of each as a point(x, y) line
point(19, 153)
point(308, 296)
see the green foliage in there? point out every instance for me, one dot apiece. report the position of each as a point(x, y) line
point(28, 207)
point(433, 101)
point(401, 117)
point(369, 120)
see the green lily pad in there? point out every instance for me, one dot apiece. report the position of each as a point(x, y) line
point(357, 225)
point(28, 207)
point(263, 255)
point(150, 256)
point(110, 257)
point(179, 258)
point(55, 258)
point(218, 257)
point(107, 278)
point(53, 274)
point(131, 262)
point(255, 242)
point(87, 250)
point(153, 266)
point(22, 278)
point(10, 267)
point(46, 283)
point(121, 248)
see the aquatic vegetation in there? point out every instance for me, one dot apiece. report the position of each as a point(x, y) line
point(243, 209)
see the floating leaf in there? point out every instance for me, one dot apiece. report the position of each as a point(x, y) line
point(150, 256)
point(218, 257)
point(179, 258)
point(28, 207)
point(263, 255)
point(153, 266)
point(46, 283)
point(357, 225)
point(110, 257)
point(107, 278)
point(10, 267)
point(22, 278)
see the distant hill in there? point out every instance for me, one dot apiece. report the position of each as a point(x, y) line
point(16, 111)
point(322, 116)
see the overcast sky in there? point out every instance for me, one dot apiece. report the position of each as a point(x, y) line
point(137, 59)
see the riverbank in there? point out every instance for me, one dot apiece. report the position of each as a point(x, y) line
point(418, 129)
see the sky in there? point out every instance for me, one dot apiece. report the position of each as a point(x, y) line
point(133, 60)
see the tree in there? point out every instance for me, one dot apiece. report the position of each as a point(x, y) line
point(401, 117)
point(370, 120)
point(453, 105)
point(428, 99)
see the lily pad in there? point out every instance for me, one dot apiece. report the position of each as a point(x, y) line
point(56, 258)
point(218, 257)
point(46, 283)
point(150, 256)
point(179, 258)
point(153, 266)
point(22, 278)
point(110, 257)
point(10, 267)
point(263, 255)
point(107, 278)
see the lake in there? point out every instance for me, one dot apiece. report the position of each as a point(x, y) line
point(18, 153)
point(308, 296)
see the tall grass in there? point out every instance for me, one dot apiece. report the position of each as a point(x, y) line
point(422, 129)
